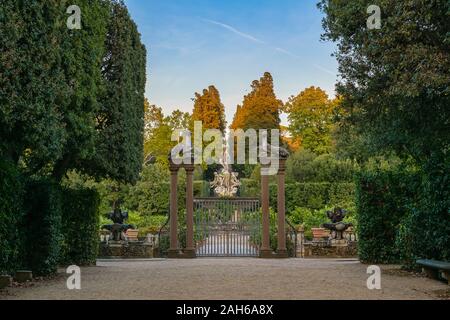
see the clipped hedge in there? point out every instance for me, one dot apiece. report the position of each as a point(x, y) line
point(80, 226)
point(42, 227)
point(249, 188)
point(383, 199)
point(314, 195)
point(201, 189)
point(11, 213)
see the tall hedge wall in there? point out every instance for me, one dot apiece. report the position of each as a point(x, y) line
point(402, 216)
point(42, 227)
point(80, 227)
point(11, 213)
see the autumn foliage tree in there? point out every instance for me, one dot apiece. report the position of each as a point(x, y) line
point(260, 108)
point(311, 119)
point(209, 109)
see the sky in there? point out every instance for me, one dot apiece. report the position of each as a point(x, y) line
point(192, 44)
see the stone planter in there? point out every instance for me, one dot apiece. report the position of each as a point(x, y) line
point(22, 276)
point(5, 281)
point(320, 233)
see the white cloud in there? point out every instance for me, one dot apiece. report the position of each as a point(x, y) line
point(235, 31)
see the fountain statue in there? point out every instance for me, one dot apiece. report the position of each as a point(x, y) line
point(337, 226)
point(226, 182)
point(119, 227)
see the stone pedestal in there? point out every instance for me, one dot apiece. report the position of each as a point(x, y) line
point(266, 254)
point(330, 249)
point(130, 250)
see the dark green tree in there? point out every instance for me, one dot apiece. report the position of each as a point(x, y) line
point(395, 84)
point(395, 80)
point(64, 93)
point(120, 122)
point(32, 83)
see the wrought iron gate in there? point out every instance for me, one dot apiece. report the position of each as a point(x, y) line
point(227, 227)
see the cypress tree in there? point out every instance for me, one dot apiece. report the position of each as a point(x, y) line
point(119, 152)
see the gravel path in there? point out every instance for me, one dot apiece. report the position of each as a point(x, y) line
point(204, 279)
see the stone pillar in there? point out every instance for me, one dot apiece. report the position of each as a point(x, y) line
point(265, 251)
point(190, 247)
point(281, 250)
point(173, 250)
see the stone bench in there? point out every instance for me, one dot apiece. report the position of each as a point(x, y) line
point(432, 268)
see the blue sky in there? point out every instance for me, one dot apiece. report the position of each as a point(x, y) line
point(192, 44)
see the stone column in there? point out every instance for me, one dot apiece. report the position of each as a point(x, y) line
point(190, 247)
point(265, 251)
point(173, 250)
point(281, 250)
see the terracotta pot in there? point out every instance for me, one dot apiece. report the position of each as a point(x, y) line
point(319, 233)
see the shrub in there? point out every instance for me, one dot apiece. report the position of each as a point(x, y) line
point(308, 219)
point(42, 227)
point(80, 226)
point(305, 166)
point(11, 213)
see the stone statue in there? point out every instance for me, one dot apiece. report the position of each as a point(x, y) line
point(118, 229)
point(226, 182)
point(337, 227)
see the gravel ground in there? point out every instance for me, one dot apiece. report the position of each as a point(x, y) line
point(206, 279)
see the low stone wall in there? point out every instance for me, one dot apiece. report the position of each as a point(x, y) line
point(327, 249)
point(126, 250)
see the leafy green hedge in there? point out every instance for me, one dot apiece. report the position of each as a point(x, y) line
point(425, 229)
point(315, 195)
point(42, 227)
point(384, 198)
point(80, 227)
point(11, 213)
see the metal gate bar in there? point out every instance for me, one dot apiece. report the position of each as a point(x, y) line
point(227, 227)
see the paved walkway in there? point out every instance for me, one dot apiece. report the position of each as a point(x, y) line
point(232, 279)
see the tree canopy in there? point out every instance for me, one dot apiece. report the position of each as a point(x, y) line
point(209, 109)
point(159, 129)
point(395, 80)
point(71, 99)
point(260, 108)
point(310, 115)
point(120, 124)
